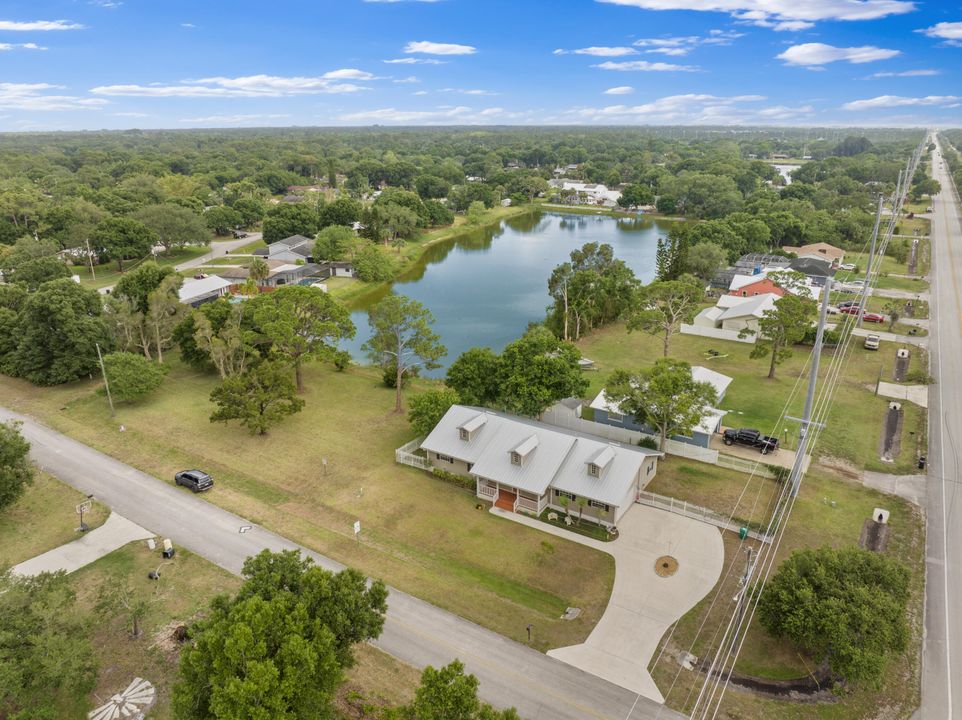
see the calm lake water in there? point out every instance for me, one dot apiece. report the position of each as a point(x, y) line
point(485, 287)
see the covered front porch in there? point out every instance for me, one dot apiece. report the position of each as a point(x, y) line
point(511, 498)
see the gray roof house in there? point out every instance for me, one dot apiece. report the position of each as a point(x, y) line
point(197, 291)
point(522, 465)
point(295, 248)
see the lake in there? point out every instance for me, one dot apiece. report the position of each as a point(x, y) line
point(484, 287)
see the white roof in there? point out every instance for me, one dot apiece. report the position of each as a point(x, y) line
point(739, 281)
point(752, 307)
point(715, 379)
point(553, 456)
point(711, 313)
point(195, 288)
point(284, 268)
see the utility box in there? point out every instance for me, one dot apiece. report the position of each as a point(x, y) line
point(168, 552)
point(902, 353)
point(880, 515)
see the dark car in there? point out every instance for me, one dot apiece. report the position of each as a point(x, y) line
point(196, 480)
point(753, 438)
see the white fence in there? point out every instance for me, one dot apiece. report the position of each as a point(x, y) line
point(752, 467)
point(717, 333)
point(695, 512)
point(405, 455)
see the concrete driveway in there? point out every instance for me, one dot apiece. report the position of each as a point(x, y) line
point(643, 605)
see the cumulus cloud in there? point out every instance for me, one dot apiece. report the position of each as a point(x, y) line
point(33, 97)
point(246, 86)
point(415, 61)
point(679, 45)
point(348, 74)
point(442, 115)
point(889, 101)
point(644, 66)
point(906, 73)
point(38, 25)
point(813, 54)
point(620, 90)
point(234, 119)
point(434, 48)
point(951, 32)
point(467, 91)
point(599, 51)
point(782, 14)
point(20, 46)
point(687, 109)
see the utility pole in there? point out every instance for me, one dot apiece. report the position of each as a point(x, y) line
point(795, 477)
point(90, 259)
point(871, 263)
point(103, 371)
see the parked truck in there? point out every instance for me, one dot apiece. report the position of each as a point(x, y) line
point(752, 438)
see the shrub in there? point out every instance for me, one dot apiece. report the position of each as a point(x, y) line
point(919, 377)
point(465, 483)
point(648, 442)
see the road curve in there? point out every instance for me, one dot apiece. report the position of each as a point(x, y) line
point(942, 650)
point(511, 674)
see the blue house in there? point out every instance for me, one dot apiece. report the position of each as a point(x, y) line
point(609, 413)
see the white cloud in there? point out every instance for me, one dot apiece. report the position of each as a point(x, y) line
point(433, 48)
point(888, 101)
point(906, 73)
point(407, 80)
point(38, 25)
point(415, 61)
point(951, 32)
point(420, 92)
point(348, 74)
point(463, 91)
point(644, 66)
point(679, 45)
point(687, 109)
point(31, 97)
point(233, 119)
point(442, 115)
point(20, 46)
point(599, 51)
point(782, 14)
point(189, 26)
point(620, 90)
point(131, 114)
point(247, 86)
point(810, 54)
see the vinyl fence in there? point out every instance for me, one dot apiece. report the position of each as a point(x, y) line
point(405, 455)
point(695, 512)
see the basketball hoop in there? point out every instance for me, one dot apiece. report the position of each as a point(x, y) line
point(83, 507)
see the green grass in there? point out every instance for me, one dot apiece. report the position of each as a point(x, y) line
point(420, 534)
point(43, 518)
point(889, 282)
point(107, 273)
point(753, 400)
point(250, 247)
point(829, 511)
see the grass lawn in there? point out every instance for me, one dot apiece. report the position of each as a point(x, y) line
point(877, 304)
point(752, 400)
point(250, 247)
point(815, 521)
point(890, 282)
point(916, 226)
point(43, 518)
point(420, 534)
point(107, 274)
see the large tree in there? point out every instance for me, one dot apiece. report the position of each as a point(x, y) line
point(16, 470)
point(780, 328)
point(335, 242)
point(259, 397)
point(57, 332)
point(132, 376)
point(537, 370)
point(402, 337)
point(847, 606)
point(662, 306)
point(287, 219)
point(123, 238)
point(301, 323)
point(136, 285)
point(46, 661)
point(450, 694)
point(664, 396)
point(429, 407)
point(705, 259)
point(174, 226)
point(474, 376)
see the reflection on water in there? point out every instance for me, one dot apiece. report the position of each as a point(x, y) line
point(485, 286)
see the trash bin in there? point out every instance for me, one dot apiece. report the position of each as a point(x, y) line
point(922, 462)
point(168, 552)
point(742, 533)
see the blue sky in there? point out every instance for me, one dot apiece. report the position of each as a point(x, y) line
point(90, 64)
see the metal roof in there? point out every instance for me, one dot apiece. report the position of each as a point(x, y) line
point(193, 289)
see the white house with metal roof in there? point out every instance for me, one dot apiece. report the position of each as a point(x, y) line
point(523, 465)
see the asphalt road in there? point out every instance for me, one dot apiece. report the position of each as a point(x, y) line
point(942, 652)
point(511, 674)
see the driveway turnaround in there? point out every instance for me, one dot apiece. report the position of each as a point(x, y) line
point(113, 534)
point(644, 602)
point(415, 632)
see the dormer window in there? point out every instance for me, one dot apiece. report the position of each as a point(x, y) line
point(523, 449)
point(516, 458)
point(467, 429)
point(594, 470)
point(464, 434)
point(599, 461)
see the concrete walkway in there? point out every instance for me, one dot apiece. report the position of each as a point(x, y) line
point(918, 394)
point(116, 532)
point(643, 605)
point(908, 487)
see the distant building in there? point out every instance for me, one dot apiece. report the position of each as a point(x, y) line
point(736, 313)
point(197, 291)
point(818, 250)
point(296, 248)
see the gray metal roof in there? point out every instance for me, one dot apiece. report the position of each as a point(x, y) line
point(559, 458)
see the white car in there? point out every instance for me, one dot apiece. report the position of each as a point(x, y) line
point(847, 266)
point(871, 342)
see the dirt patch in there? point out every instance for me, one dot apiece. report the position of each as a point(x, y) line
point(841, 467)
point(666, 566)
point(913, 257)
point(891, 441)
point(901, 368)
point(875, 536)
point(817, 687)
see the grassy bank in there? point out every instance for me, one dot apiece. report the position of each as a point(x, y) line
point(421, 535)
point(107, 274)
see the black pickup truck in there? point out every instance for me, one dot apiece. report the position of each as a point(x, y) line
point(746, 436)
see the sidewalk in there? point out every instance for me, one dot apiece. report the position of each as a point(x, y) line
point(918, 394)
point(116, 532)
point(922, 342)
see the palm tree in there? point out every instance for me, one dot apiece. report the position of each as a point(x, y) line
point(258, 270)
point(894, 310)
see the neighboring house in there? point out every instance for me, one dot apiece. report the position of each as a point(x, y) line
point(736, 313)
point(752, 285)
point(816, 269)
point(587, 193)
point(608, 412)
point(196, 292)
point(834, 255)
point(754, 263)
point(523, 465)
point(281, 273)
point(296, 248)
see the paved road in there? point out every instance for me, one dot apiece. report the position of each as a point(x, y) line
point(511, 674)
point(942, 653)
